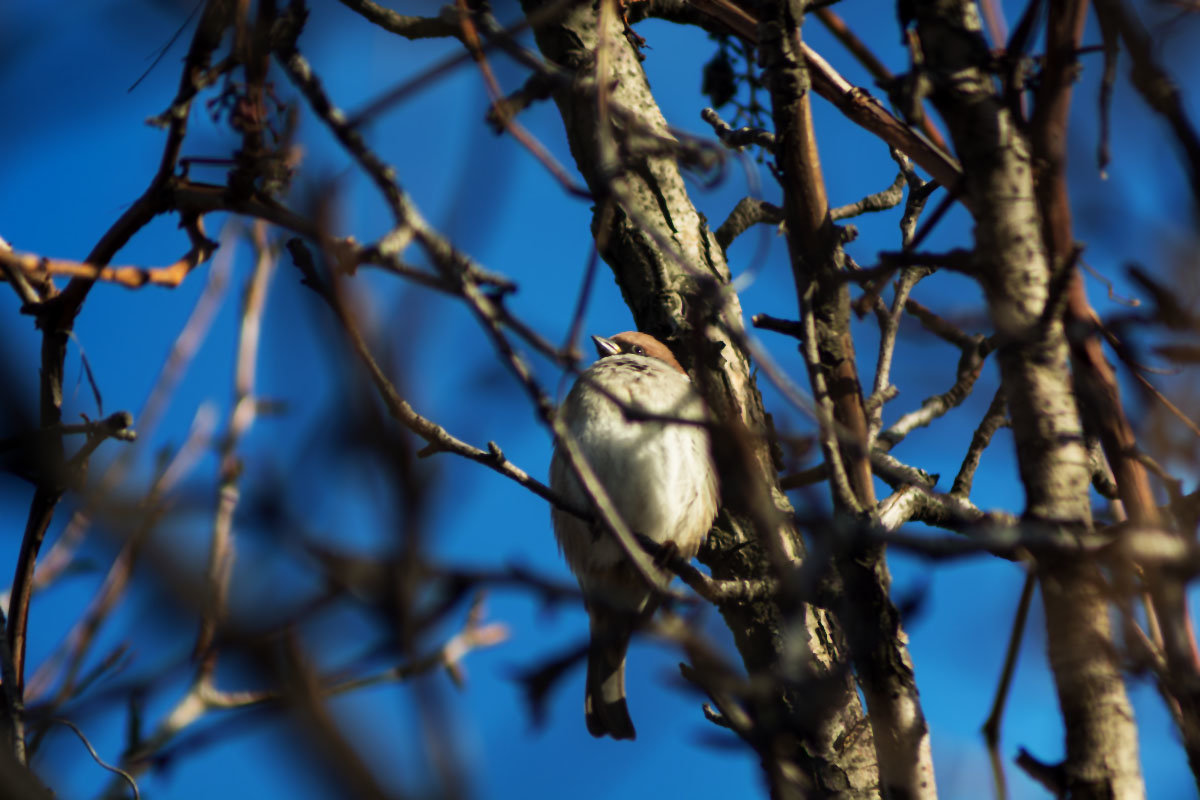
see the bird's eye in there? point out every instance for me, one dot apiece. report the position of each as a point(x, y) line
point(638, 350)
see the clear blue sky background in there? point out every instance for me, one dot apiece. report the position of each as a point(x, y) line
point(74, 153)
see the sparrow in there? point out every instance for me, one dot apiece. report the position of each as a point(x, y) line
point(661, 479)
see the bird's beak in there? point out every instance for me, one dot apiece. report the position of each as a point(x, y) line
point(605, 347)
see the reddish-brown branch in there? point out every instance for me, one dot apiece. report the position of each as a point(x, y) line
point(881, 660)
point(812, 245)
point(858, 48)
point(42, 267)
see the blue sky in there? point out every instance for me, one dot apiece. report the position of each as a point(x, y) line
point(74, 154)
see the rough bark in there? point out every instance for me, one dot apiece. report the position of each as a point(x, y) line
point(1024, 295)
point(1095, 381)
point(810, 730)
point(877, 642)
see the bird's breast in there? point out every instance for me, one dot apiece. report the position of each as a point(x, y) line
point(658, 472)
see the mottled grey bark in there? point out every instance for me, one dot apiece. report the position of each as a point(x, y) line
point(1024, 295)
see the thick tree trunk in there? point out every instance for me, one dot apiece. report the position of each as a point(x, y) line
point(1024, 296)
point(675, 280)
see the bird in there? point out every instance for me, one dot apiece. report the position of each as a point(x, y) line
point(661, 480)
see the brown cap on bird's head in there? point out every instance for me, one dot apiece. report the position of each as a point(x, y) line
point(638, 344)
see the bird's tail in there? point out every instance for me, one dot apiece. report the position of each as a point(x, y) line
point(604, 701)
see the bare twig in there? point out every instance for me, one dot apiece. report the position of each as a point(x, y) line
point(57, 315)
point(14, 705)
point(182, 352)
point(76, 645)
point(439, 440)
point(939, 326)
point(241, 417)
point(125, 776)
point(995, 418)
point(991, 727)
point(880, 201)
point(444, 25)
point(742, 137)
point(889, 326)
point(748, 212)
point(882, 75)
point(39, 268)
point(29, 296)
point(470, 38)
point(204, 697)
point(1155, 85)
point(969, 367)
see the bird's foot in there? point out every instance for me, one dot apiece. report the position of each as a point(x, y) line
point(667, 552)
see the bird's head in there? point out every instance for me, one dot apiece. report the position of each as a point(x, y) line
point(637, 344)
